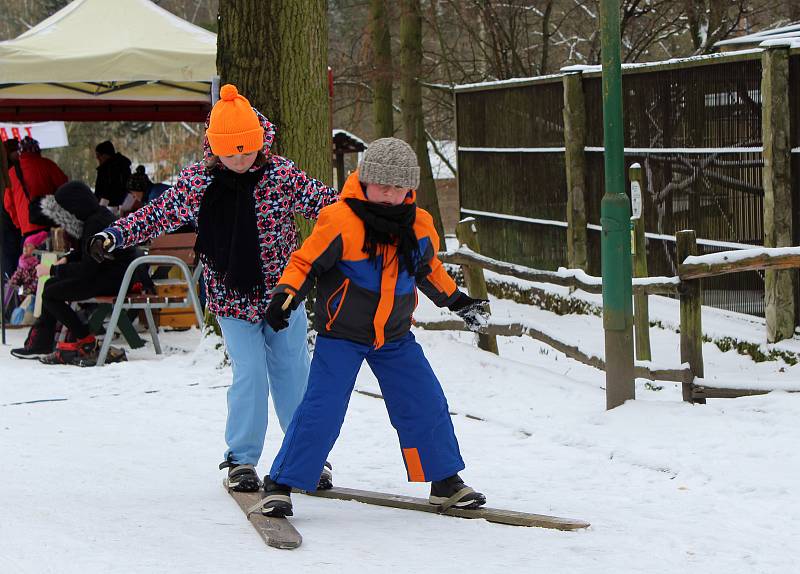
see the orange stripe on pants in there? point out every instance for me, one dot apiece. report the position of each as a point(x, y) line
point(413, 465)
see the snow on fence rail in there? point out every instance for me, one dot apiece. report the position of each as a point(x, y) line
point(576, 278)
point(518, 329)
point(713, 264)
point(692, 268)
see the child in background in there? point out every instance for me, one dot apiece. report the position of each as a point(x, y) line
point(24, 277)
point(368, 254)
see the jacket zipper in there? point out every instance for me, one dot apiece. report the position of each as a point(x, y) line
point(343, 289)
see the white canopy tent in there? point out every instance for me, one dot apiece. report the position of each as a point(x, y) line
point(108, 60)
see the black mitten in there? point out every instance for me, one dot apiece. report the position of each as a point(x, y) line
point(100, 246)
point(474, 312)
point(278, 317)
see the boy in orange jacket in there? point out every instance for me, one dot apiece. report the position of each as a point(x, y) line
point(368, 254)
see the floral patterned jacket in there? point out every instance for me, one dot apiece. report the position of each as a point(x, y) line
point(283, 191)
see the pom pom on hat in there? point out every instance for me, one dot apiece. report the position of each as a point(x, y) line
point(228, 92)
point(234, 127)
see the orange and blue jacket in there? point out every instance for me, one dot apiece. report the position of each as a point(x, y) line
point(370, 302)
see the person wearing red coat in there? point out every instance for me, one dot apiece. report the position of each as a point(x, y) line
point(31, 176)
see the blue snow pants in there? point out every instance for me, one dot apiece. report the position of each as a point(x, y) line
point(414, 399)
point(263, 361)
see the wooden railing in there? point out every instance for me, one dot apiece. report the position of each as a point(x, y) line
point(687, 285)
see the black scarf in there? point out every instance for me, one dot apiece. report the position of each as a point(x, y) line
point(388, 225)
point(227, 230)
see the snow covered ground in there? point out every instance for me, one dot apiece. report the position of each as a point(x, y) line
point(113, 470)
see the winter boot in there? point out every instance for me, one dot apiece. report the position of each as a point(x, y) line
point(38, 343)
point(277, 499)
point(326, 478)
point(73, 353)
point(241, 477)
point(453, 493)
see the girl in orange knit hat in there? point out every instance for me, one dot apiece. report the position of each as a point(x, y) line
point(242, 199)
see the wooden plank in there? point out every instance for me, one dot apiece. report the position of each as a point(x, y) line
point(510, 517)
point(180, 245)
point(701, 392)
point(641, 306)
point(571, 351)
point(467, 234)
point(763, 261)
point(591, 285)
point(691, 317)
point(276, 532)
point(575, 163)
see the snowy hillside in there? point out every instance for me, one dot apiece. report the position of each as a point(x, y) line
point(113, 470)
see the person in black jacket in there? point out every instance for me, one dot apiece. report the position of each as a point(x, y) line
point(74, 277)
point(113, 172)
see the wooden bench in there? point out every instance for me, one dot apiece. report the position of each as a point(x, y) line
point(175, 250)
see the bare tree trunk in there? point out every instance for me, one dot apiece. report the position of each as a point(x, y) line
point(276, 54)
point(411, 104)
point(546, 37)
point(381, 69)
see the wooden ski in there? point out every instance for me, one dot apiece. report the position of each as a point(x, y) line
point(276, 532)
point(509, 517)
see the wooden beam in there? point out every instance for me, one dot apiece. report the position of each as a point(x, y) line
point(575, 163)
point(510, 517)
point(763, 261)
point(691, 313)
point(571, 351)
point(575, 278)
point(467, 234)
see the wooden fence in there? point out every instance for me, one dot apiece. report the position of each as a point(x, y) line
point(717, 138)
point(687, 285)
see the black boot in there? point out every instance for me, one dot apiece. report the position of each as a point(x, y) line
point(241, 477)
point(453, 493)
point(38, 343)
point(277, 500)
point(326, 478)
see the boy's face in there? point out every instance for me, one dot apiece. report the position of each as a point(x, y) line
point(239, 162)
point(386, 194)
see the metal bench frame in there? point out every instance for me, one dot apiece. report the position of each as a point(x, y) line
point(121, 300)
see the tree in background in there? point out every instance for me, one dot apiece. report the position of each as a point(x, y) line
point(411, 105)
point(276, 53)
point(382, 73)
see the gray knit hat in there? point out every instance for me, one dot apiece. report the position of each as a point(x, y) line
point(390, 161)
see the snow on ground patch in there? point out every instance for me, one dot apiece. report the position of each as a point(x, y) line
point(114, 470)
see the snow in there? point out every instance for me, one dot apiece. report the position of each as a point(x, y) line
point(512, 149)
point(113, 469)
point(597, 69)
point(731, 257)
point(351, 135)
point(683, 150)
point(439, 167)
point(595, 227)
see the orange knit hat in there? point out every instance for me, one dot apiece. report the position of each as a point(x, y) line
point(234, 127)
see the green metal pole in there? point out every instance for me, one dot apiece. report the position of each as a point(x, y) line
point(615, 217)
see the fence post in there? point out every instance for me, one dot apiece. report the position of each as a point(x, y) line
point(575, 162)
point(467, 234)
point(641, 311)
point(691, 298)
point(779, 285)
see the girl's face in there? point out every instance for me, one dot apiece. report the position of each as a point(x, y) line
point(28, 249)
point(240, 162)
point(386, 194)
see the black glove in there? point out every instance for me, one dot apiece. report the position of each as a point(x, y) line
point(278, 317)
point(475, 312)
point(100, 246)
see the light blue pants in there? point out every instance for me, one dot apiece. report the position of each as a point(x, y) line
point(263, 361)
